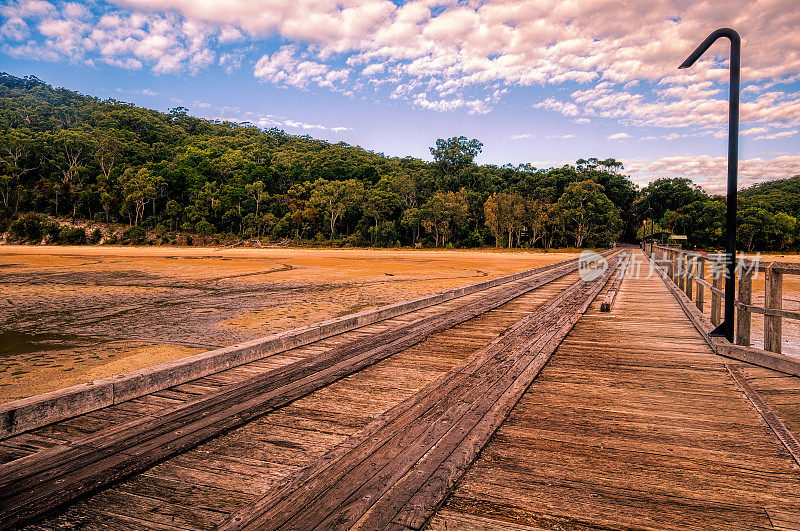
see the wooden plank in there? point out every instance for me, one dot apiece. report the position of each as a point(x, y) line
point(133, 446)
point(786, 437)
point(773, 300)
point(744, 295)
point(344, 484)
point(621, 436)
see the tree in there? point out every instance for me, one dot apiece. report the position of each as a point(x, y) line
point(503, 216)
point(755, 225)
point(587, 214)
point(379, 204)
point(109, 151)
point(784, 230)
point(173, 212)
point(452, 156)
point(335, 197)
point(443, 213)
point(537, 218)
point(412, 219)
point(139, 188)
point(14, 153)
point(256, 191)
point(69, 150)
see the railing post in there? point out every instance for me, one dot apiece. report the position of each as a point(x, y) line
point(718, 281)
point(691, 266)
point(681, 271)
point(745, 296)
point(672, 265)
point(773, 300)
point(700, 271)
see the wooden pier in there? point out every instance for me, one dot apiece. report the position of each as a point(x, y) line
point(520, 405)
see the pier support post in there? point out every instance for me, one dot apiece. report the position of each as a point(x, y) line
point(691, 267)
point(745, 296)
point(773, 300)
point(700, 271)
point(716, 299)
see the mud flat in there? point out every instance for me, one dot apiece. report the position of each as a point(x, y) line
point(73, 314)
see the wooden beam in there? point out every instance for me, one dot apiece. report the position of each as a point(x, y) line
point(701, 274)
point(745, 292)
point(399, 470)
point(37, 483)
point(718, 281)
point(773, 299)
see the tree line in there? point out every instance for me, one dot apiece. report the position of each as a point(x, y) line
point(68, 156)
point(767, 214)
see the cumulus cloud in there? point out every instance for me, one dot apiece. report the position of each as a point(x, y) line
point(287, 67)
point(514, 42)
point(773, 136)
point(711, 172)
point(167, 42)
point(618, 136)
point(14, 29)
point(446, 49)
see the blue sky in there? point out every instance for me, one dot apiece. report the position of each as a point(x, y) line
point(544, 82)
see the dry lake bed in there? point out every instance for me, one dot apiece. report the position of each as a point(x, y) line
point(74, 314)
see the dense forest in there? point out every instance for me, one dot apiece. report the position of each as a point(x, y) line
point(69, 162)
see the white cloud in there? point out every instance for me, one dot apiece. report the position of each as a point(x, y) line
point(523, 136)
point(287, 67)
point(566, 108)
point(711, 172)
point(515, 42)
point(451, 55)
point(619, 136)
point(773, 136)
point(231, 61)
point(14, 29)
point(754, 130)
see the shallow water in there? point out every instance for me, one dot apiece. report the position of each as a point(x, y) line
point(15, 343)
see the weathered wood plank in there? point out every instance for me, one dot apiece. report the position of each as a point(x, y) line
point(132, 446)
point(346, 483)
point(642, 430)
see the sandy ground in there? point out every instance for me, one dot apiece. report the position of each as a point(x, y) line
point(74, 314)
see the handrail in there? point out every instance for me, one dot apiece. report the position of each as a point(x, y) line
point(687, 270)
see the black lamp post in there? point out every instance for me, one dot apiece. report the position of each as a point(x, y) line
point(725, 329)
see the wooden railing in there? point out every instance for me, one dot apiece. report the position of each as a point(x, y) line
point(689, 271)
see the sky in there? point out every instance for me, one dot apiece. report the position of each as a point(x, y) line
point(543, 82)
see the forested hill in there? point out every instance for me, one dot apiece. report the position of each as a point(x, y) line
point(70, 158)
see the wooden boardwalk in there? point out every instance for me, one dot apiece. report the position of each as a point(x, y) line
point(633, 422)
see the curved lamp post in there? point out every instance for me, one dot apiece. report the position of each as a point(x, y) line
point(725, 329)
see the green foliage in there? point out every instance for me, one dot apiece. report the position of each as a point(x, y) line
point(72, 236)
point(96, 236)
point(586, 214)
point(29, 227)
point(766, 218)
point(63, 154)
point(134, 235)
point(204, 227)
